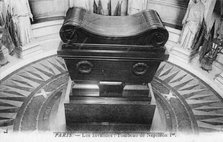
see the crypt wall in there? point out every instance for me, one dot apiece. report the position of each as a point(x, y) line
point(47, 18)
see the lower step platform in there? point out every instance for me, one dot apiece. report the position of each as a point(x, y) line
point(109, 114)
point(107, 127)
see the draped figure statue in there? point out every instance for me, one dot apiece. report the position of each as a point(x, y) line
point(191, 23)
point(21, 15)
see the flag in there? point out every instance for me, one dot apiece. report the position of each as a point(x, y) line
point(206, 54)
point(109, 8)
point(100, 8)
point(117, 11)
point(95, 7)
point(120, 8)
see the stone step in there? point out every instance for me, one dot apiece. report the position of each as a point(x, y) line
point(107, 127)
point(109, 100)
point(93, 90)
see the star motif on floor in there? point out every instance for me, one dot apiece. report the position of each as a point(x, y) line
point(20, 88)
point(169, 96)
point(43, 93)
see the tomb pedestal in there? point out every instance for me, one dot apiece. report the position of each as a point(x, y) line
point(111, 70)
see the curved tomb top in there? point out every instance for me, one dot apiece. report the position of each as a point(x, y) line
point(143, 28)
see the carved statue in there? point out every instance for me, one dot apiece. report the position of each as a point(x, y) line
point(21, 14)
point(191, 23)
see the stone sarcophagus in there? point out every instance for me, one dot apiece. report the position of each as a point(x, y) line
point(124, 49)
point(117, 54)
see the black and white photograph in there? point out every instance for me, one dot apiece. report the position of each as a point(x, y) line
point(111, 70)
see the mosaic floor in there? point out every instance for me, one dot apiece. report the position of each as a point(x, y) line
point(29, 98)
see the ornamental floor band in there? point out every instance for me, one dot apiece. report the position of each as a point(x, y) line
point(185, 102)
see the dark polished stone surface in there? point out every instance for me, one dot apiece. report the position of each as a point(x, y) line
point(109, 116)
point(111, 52)
point(127, 49)
point(143, 28)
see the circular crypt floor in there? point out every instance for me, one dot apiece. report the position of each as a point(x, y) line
point(30, 98)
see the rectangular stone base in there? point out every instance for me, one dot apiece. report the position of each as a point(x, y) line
point(93, 90)
point(107, 127)
point(108, 114)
